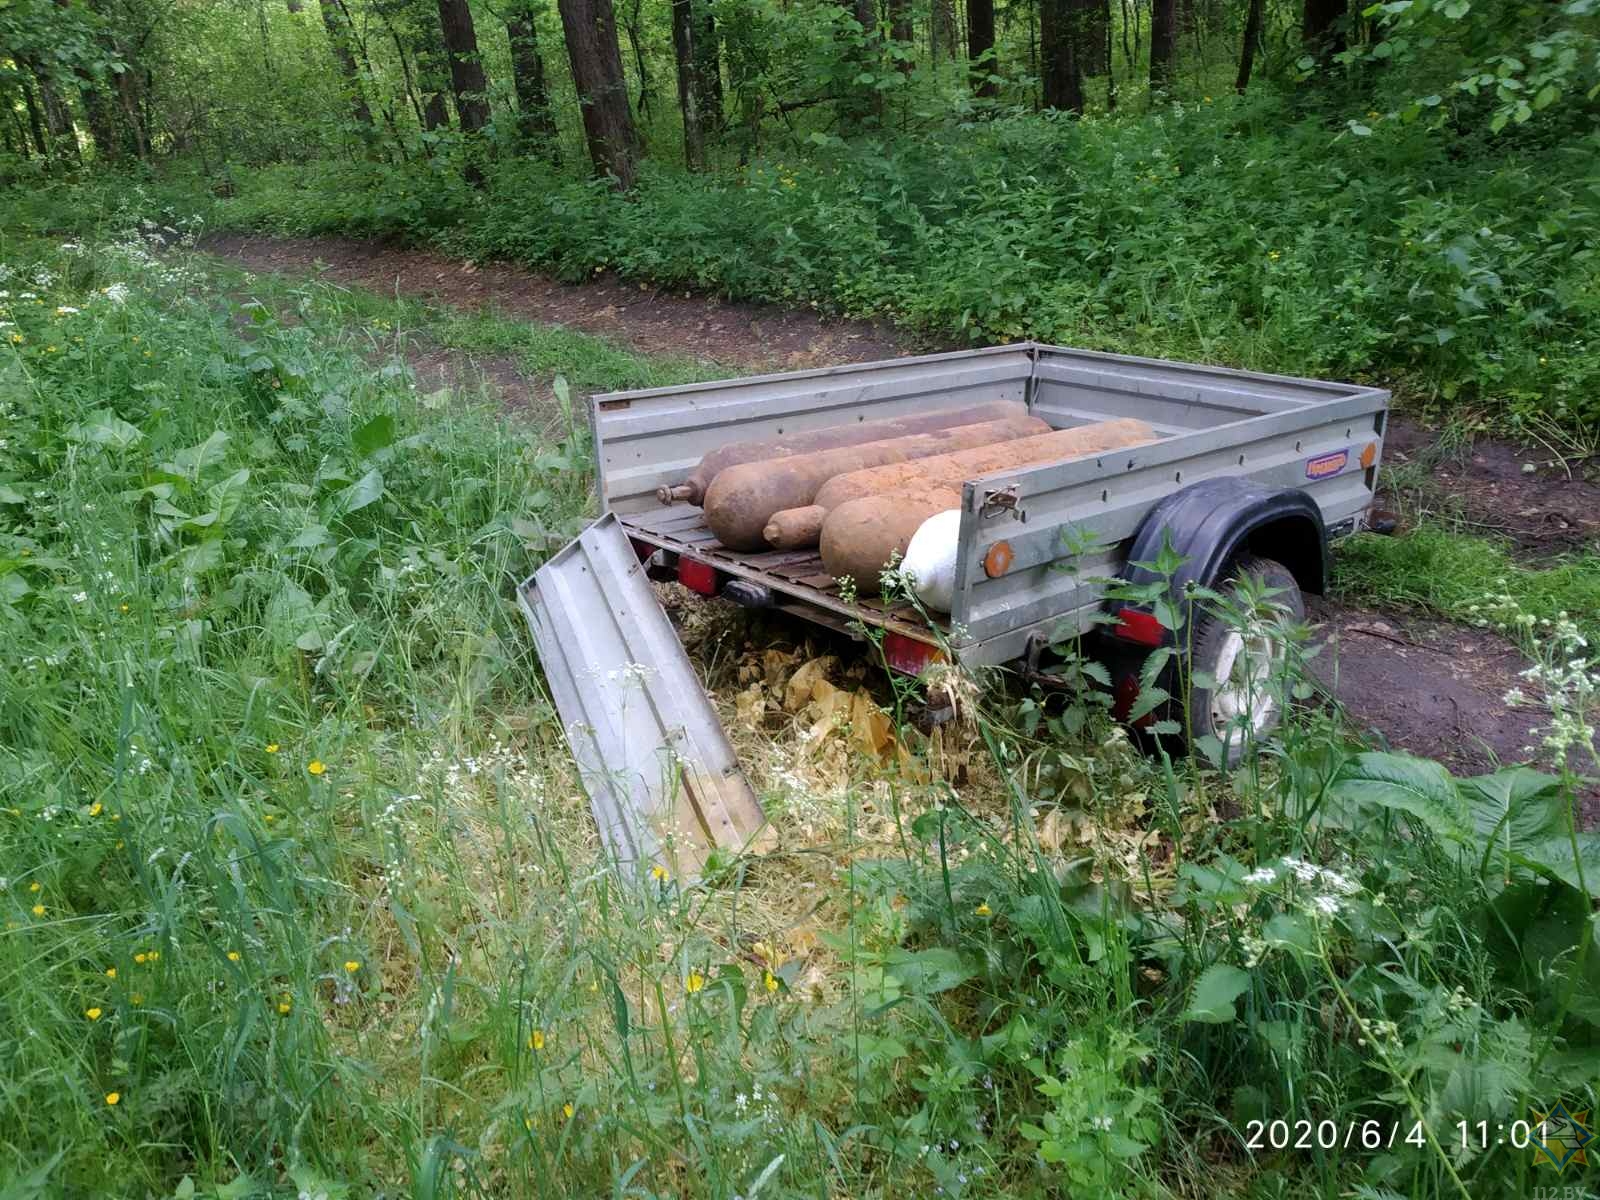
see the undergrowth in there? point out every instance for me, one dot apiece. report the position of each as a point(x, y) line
point(299, 895)
point(1238, 231)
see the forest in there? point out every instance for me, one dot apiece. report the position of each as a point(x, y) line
point(304, 309)
point(1408, 187)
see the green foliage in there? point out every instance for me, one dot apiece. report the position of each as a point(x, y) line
point(1508, 61)
point(1217, 232)
point(1447, 572)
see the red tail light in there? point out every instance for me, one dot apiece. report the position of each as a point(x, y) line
point(1136, 625)
point(1125, 697)
point(908, 655)
point(698, 576)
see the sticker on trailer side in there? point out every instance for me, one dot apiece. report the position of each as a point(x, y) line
point(1325, 465)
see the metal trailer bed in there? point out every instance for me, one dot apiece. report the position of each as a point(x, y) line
point(1247, 464)
point(1277, 431)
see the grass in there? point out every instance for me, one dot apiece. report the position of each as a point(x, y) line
point(1439, 570)
point(394, 323)
point(300, 895)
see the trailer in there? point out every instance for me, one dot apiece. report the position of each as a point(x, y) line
point(1250, 472)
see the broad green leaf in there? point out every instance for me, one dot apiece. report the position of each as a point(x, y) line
point(377, 434)
point(928, 971)
point(10, 495)
point(1553, 857)
point(191, 462)
point(104, 428)
point(364, 491)
point(1415, 786)
point(1215, 991)
point(1516, 806)
point(292, 618)
point(311, 537)
point(226, 496)
point(1289, 931)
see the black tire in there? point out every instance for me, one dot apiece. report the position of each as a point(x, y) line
point(1245, 706)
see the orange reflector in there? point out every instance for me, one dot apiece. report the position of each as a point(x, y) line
point(998, 561)
point(1370, 454)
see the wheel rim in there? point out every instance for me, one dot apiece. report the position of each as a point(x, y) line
point(1242, 698)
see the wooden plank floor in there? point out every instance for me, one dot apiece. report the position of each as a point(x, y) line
point(798, 573)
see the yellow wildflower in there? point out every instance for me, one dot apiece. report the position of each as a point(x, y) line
point(352, 966)
point(92, 1013)
point(316, 766)
point(96, 809)
point(38, 910)
point(34, 886)
point(694, 983)
point(137, 998)
point(122, 608)
point(566, 1110)
point(285, 1006)
point(536, 1040)
point(770, 982)
point(983, 910)
point(111, 972)
point(272, 747)
point(112, 1098)
point(140, 957)
point(659, 873)
point(233, 956)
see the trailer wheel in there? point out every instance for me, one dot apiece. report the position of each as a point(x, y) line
point(1246, 665)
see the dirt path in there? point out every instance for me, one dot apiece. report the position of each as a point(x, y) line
point(753, 337)
point(1544, 504)
point(1430, 687)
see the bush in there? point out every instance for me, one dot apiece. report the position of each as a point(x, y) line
point(1227, 231)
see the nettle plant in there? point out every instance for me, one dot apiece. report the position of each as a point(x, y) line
point(1353, 936)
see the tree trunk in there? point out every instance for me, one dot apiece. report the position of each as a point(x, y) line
point(130, 97)
point(101, 116)
point(1247, 51)
point(57, 118)
point(339, 40)
point(708, 67)
point(536, 126)
point(422, 35)
point(41, 142)
point(942, 32)
point(1091, 33)
point(591, 36)
point(467, 80)
point(683, 48)
point(1163, 43)
point(1322, 27)
point(903, 34)
point(1058, 59)
point(980, 47)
